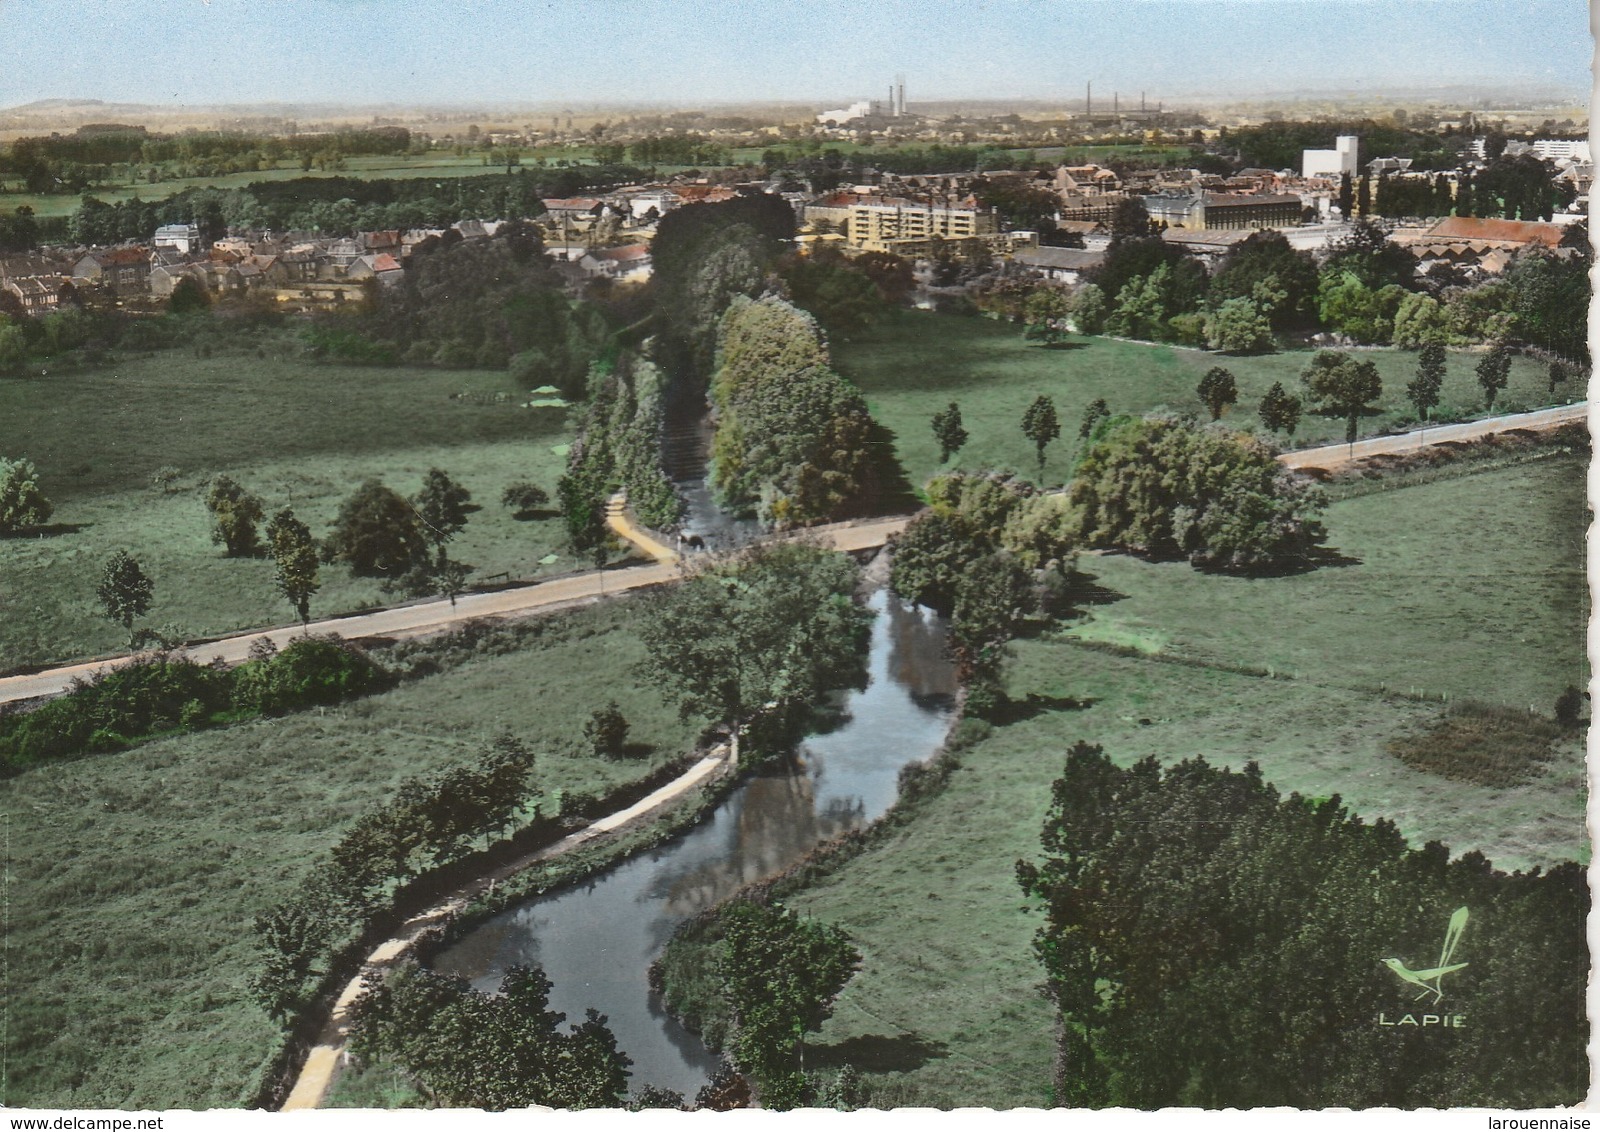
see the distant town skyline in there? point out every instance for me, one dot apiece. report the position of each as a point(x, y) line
point(206, 52)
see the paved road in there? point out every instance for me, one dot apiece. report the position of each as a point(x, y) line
point(1336, 455)
point(543, 597)
point(431, 617)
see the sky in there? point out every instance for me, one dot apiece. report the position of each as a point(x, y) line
point(195, 52)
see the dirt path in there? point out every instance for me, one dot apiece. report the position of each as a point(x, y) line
point(322, 1064)
point(1333, 456)
point(617, 519)
point(433, 617)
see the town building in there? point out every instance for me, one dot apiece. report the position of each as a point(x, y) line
point(878, 224)
point(181, 238)
point(1333, 163)
point(1059, 265)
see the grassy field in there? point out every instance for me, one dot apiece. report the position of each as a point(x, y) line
point(1471, 585)
point(916, 362)
point(295, 432)
point(134, 877)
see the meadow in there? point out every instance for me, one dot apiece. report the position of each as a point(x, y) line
point(296, 432)
point(1470, 586)
point(135, 877)
point(914, 363)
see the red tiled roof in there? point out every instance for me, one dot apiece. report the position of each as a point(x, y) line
point(383, 261)
point(626, 254)
point(1507, 231)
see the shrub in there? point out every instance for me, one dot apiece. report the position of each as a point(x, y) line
point(606, 732)
point(307, 672)
point(22, 504)
point(524, 498)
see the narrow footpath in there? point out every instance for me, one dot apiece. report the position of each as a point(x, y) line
point(322, 1064)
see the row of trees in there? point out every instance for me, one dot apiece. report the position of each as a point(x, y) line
point(618, 447)
point(1278, 977)
point(428, 823)
point(792, 435)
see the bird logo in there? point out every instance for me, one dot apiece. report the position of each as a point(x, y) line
point(1430, 978)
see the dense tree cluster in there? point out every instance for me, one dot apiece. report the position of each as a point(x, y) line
point(792, 435)
point(491, 304)
point(1164, 487)
point(844, 295)
point(1277, 145)
point(465, 1048)
point(703, 256)
point(619, 448)
point(160, 693)
point(758, 636)
point(1211, 943)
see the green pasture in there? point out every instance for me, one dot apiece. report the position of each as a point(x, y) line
point(1470, 586)
point(295, 432)
point(135, 877)
point(914, 363)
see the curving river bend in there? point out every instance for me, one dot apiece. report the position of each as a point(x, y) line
point(596, 941)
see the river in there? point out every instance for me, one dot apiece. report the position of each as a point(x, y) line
point(596, 941)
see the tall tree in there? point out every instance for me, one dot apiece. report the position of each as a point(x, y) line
point(1423, 390)
point(1494, 370)
point(234, 515)
point(1040, 425)
point(1343, 387)
point(125, 592)
point(1097, 411)
point(442, 507)
point(378, 534)
point(779, 975)
point(949, 433)
point(1217, 390)
point(294, 554)
point(1280, 410)
point(1347, 197)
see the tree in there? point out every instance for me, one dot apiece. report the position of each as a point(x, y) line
point(1423, 391)
point(294, 554)
point(1044, 315)
point(1217, 390)
point(442, 507)
point(761, 633)
point(779, 975)
point(1347, 197)
point(124, 591)
point(1089, 309)
point(22, 504)
point(1097, 411)
point(1165, 487)
point(1040, 425)
point(378, 534)
point(234, 515)
point(1344, 387)
point(1131, 221)
point(606, 732)
point(1239, 326)
point(1494, 369)
point(188, 296)
point(1280, 410)
point(1569, 706)
point(451, 577)
point(1274, 885)
point(948, 432)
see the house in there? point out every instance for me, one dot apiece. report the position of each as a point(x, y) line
point(183, 238)
point(383, 267)
point(122, 271)
point(628, 264)
point(1059, 265)
point(572, 212)
point(386, 242)
point(1485, 245)
point(1253, 210)
point(36, 296)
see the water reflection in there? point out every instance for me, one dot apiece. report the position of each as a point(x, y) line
point(596, 941)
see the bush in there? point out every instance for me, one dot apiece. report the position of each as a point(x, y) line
point(22, 504)
point(309, 671)
point(606, 732)
point(151, 694)
point(1482, 744)
point(525, 498)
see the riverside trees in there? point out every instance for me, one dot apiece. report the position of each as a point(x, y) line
point(792, 435)
point(22, 504)
point(758, 635)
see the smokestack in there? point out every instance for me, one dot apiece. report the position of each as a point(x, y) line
point(891, 100)
point(1088, 98)
point(1115, 96)
point(900, 96)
